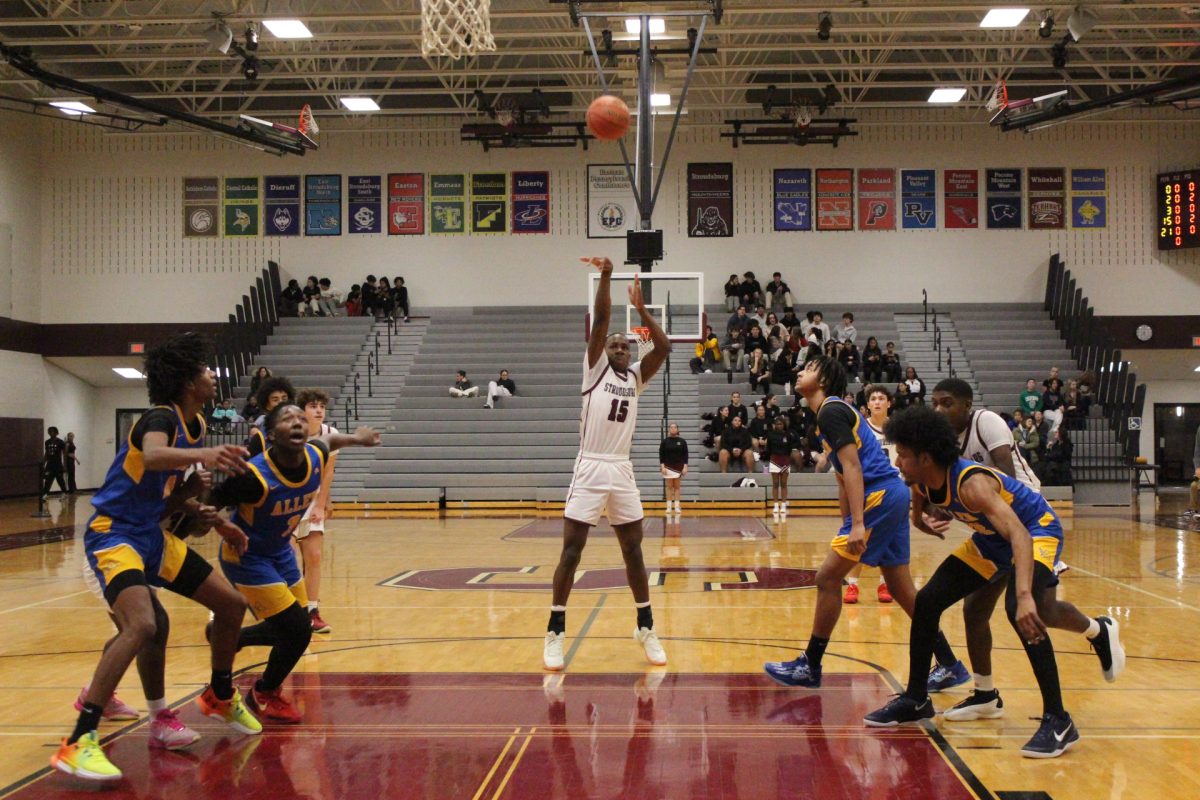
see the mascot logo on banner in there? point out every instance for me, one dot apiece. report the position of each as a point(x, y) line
point(364, 218)
point(282, 219)
point(201, 220)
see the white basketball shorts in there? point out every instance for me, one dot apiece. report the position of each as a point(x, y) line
point(598, 485)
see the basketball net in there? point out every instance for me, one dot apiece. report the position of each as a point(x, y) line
point(455, 28)
point(644, 343)
point(998, 100)
point(308, 124)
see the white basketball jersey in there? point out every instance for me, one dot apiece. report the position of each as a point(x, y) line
point(884, 442)
point(609, 412)
point(987, 430)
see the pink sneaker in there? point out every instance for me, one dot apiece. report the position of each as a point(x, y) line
point(115, 709)
point(168, 732)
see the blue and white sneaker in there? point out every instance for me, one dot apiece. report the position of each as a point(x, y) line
point(797, 672)
point(942, 678)
point(1055, 736)
point(900, 710)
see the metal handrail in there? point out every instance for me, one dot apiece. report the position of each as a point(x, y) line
point(376, 354)
point(924, 310)
point(370, 367)
point(356, 393)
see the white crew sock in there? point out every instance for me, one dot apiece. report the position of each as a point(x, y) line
point(156, 705)
point(312, 606)
point(852, 581)
point(1093, 629)
point(983, 683)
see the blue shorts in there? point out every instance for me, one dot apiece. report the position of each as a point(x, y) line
point(885, 516)
point(114, 547)
point(270, 583)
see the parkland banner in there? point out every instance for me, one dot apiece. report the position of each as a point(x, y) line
point(282, 207)
point(406, 203)
point(611, 208)
point(448, 203)
point(793, 200)
point(1089, 198)
point(962, 198)
point(835, 199)
point(201, 206)
point(364, 195)
point(531, 202)
point(322, 205)
point(918, 199)
point(241, 207)
point(876, 199)
point(1004, 199)
point(1047, 199)
point(489, 202)
point(710, 199)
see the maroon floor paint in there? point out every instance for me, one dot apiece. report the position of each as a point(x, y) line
point(748, 529)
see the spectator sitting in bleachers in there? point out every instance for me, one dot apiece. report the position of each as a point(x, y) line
point(1030, 399)
point(1052, 403)
point(903, 398)
point(1087, 387)
point(1075, 407)
point(831, 349)
point(846, 332)
point(816, 321)
point(755, 339)
point(1052, 377)
point(1056, 461)
point(759, 370)
point(771, 403)
point(759, 318)
point(733, 349)
point(916, 386)
point(718, 425)
point(400, 299)
point(312, 298)
point(776, 334)
point(386, 301)
point(733, 292)
point(224, 416)
point(251, 410)
point(354, 303)
point(872, 361)
point(329, 299)
point(850, 359)
point(891, 363)
point(503, 386)
point(370, 296)
point(736, 409)
point(759, 426)
point(290, 299)
point(260, 375)
point(1016, 420)
point(736, 446)
point(708, 352)
point(1028, 440)
point(751, 289)
point(790, 320)
point(784, 370)
point(739, 319)
point(1043, 428)
point(463, 387)
point(779, 294)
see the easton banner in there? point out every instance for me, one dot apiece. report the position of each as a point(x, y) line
point(1004, 199)
point(322, 205)
point(1047, 199)
point(611, 208)
point(918, 199)
point(364, 196)
point(710, 200)
point(282, 206)
point(406, 203)
point(241, 207)
point(447, 203)
point(489, 202)
point(1089, 198)
point(531, 202)
point(793, 199)
point(876, 199)
point(201, 206)
point(835, 199)
point(962, 198)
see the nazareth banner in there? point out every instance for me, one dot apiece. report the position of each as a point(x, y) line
point(364, 202)
point(447, 203)
point(1047, 199)
point(282, 207)
point(1089, 198)
point(489, 202)
point(962, 198)
point(201, 206)
point(793, 199)
point(406, 203)
point(876, 199)
point(531, 202)
point(918, 199)
point(1004, 199)
point(241, 207)
point(710, 199)
point(611, 208)
point(323, 205)
point(835, 199)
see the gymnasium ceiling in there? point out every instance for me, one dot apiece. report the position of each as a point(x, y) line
point(880, 54)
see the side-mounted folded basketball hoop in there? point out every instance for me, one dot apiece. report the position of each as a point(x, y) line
point(456, 28)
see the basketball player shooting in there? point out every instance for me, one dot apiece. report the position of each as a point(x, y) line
point(603, 473)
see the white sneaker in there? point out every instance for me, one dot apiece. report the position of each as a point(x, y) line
point(552, 652)
point(653, 647)
point(678, 507)
point(775, 510)
point(783, 510)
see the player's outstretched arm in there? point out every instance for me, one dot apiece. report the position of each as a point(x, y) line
point(662, 345)
point(158, 456)
point(601, 309)
point(364, 436)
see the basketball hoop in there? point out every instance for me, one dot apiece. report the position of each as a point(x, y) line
point(455, 28)
point(997, 102)
point(308, 124)
point(506, 110)
point(644, 343)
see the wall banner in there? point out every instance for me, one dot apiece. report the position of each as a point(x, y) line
point(406, 203)
point(489, 202)
point(876, 199)
point(1047, 199)
point(281, 216)
point(241, 207)
point(1004, 199)
point(710, 200)
point(531, 202)
point(962, 198)
point(793, 199)
point(201, 206)
point(918, 199)
point(1089, 198)
point(611, 208)
point(322, 205)
point(447, 203)
point(364, 203)
point(835, 199)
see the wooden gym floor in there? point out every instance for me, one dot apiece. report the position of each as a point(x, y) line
point(431, 683)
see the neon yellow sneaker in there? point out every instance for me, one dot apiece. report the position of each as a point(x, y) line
point(232, 712)
point(85, 759)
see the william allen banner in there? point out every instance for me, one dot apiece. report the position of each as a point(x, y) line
point(406, 203)
point(282, 216)
point(531, 202)
point(611, 208)
point(710, 200)
point(1089, 198)
point(364, 196)
point(201, 206)
point(962, 198)
point(876, 199)
point(918, 199)
point(793, 199)
point(1047, 199)
point(835, 199)
point(489, 202)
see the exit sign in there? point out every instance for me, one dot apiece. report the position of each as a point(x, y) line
point(1196, 341)
point(139, 348)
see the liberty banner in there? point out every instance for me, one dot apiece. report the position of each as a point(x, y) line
point(489, 202)
point(1089, 199)
point(835, 199)
point(1004, 199)
point(406, 203)
point(531, 202)
point(918, 199)
point(322, 205)
point(876, 199)
point(364, 196)
point(448, 203)
point(962, 198)
point(710, 200)
point(793, 199)
point(201, 206)
point(241, 207)
point(611, 208)
point(1047, 199)
point(282, 208)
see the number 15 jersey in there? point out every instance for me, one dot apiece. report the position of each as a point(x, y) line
point(609, 413)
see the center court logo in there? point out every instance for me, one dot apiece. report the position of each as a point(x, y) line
point(612, 217)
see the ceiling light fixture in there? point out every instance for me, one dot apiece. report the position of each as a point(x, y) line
point(73, 108)
point(1046, 26)
point(128, 372)
point(633, 25)
point(659, 99)
point(250, 68)
point(1058, 54)
point(219, 37)
point(1004, 18)
point(951, 94)
point(359, 104)
point(824, 26)
point(1081, 21)
point(287, 29)
point(251, 37)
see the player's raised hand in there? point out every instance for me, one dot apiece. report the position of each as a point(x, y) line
point(367, 436)
point(603, 264)
point(229, 458)
point(635, 294)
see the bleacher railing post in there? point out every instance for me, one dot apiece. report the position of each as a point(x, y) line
point(356, 416)
point(370, 366)
point(376, 358)
point(924, 310)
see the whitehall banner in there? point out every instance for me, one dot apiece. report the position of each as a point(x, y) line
point(1047, 199)
point(793, 199)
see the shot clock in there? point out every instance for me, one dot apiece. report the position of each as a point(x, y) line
point(1177, 200)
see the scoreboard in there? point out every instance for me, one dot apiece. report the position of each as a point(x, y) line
point(1177, 200)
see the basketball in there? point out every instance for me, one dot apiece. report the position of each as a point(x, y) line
point(608, 117)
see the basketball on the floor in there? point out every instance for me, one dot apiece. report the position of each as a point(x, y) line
point(608, 117)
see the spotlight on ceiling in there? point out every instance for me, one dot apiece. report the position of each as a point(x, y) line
point(824, 26)
point(219, 37)
point(251, 37)
point(1059, 54)
point(1046, 26)
point(1081, 21)
point(250, 68)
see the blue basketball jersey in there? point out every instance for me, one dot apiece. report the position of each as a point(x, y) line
point(876, 466)
point(269, 522)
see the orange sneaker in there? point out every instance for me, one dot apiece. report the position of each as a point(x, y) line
point(232, 712)
point(851, 596)
point(272, 706)
point(884, 595)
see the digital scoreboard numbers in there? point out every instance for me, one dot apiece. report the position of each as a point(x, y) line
point(1177, 212)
